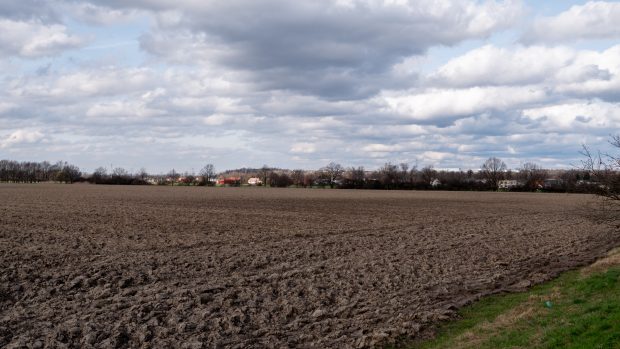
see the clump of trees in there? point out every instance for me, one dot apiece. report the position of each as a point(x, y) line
point(208, 175)
point(332, 173)
point(34, 172)
point(118, 176)
point(604, 169)
point(532, 176)
point(493, 171)
point(280, 180)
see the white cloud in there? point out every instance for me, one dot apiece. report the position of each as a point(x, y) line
point(21, 137)
point(592, 74)
point(6, 107)
point(104, 81)
point(122, 110)
point(577, 117)
point(35, 39)
point(303, 148)
point(381, 148)
point(592, 20)
point(491, 65)
point(564, 70)
point(218, 119)
point(436, 105)
point(435, 156)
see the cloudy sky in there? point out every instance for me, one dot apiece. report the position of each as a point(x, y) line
point(162, 84)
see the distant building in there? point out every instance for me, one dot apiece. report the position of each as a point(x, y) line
point(507, 184)
point(231, 181)
point(449, 169)
point(184, 180)
point(553, 184)
point(435, 183)
point(255, 181)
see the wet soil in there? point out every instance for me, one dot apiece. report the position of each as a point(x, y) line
point(102, 266)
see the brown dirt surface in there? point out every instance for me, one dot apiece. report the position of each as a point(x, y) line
point(104, 266)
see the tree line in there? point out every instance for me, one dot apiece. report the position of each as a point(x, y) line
point(529, 177)
point(390, 176)
point(599, 173)
point(33, 172)
point(605, 168)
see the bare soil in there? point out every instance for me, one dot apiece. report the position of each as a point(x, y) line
point(103, 266)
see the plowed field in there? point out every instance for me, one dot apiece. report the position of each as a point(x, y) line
point(105, 266)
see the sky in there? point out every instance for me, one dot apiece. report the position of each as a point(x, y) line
point(159, 84)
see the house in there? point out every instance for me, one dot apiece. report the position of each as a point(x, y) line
point(553, 184)
point(153, 180)
point(230, 181)
point(435, 183)
point(255, 181)
point(185, 180)
point(507, 184)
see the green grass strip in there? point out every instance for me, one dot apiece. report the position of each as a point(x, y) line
point(572, 311)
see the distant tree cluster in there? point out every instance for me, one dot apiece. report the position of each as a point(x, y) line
point(402, 176)
point(118, 175)
point(208, 175)
point(529, 177)
point(34, 172)
point(604, 168)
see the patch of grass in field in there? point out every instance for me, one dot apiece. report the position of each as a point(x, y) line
point(584, 312)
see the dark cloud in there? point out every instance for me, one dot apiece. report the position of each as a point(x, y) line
point(322, 48)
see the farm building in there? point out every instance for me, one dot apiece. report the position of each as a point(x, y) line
point(507, 184)
point(255, 181)
point(553, 184)
point(185, 180)
point(232, 181)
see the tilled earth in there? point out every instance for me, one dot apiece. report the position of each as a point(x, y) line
point(104, 266)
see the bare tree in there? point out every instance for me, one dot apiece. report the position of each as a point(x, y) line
point(172, 175)
point(68, 173)
point(403, 176)
point(309, 179)
point(357, 176)
point(298, 177)
point(533, 175)
point(120, 176)
point(279, 180)
point(428, 174)
point(389, 175)
point(333, 172)
point(264, 173)
point(604, 168)
point(99, 176)
point(120, 172)
point(413, 174)
point(208, 173)
point(142, 174)
point(493, 171)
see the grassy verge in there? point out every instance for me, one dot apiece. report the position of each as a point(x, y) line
point(580, 309)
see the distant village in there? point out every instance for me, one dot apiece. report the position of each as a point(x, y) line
point(555, 180)
point(492, 175)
